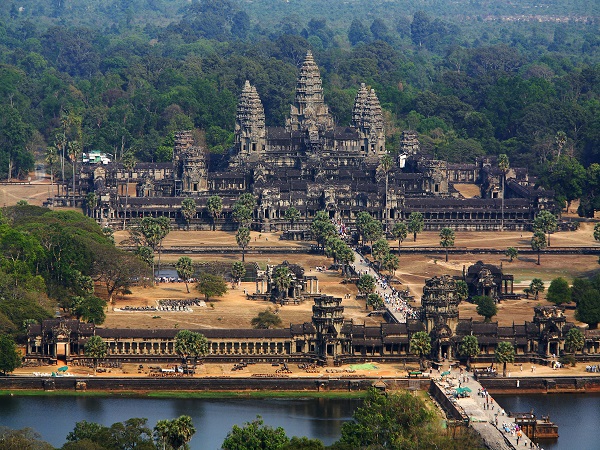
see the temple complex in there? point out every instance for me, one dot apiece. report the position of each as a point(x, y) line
point(313, 164)
point(328, 339)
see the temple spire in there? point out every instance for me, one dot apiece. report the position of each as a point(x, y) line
point(309, 111)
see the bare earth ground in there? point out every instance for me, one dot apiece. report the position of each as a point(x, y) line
point(234, 311)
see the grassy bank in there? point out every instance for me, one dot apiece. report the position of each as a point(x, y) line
point(186, 394)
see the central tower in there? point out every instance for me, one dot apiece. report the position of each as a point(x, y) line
point(309, 111)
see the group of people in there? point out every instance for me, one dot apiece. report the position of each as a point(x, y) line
point(592, 369)
point(179, 304)
point(172, 280)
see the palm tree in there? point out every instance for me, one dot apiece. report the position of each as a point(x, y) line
point(420, 345)
point(242, 238)
point(189, 344)
point(175, 433)
point(51, 158)
point(188, 210)
point(385, 165)
point(505, 353)
point(447, 239)
point(538, 243)
point(91, 201)
point(536, 286)
point(128, 161)
point(503, 164)
point(415, 224)
point(282, 280)
point(185, 270)
point(545, 222)
point(469, 347)
point(214, 205)
point(400, 231)
point(96, 349)
point(291, 214)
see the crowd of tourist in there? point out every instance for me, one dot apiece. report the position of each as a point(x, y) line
point(180, 304)
point(395, 300)
point(593, 369)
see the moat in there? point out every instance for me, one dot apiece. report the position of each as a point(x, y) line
point(577, 415)
point(55, 417)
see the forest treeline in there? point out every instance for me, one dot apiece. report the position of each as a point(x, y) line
point(55, 259)
point(122, 77)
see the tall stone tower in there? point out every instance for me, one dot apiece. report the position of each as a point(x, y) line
point(440, 309)
point(250, 131)
point(328, 318)
point(309, 111)
point(368, 120)
point(191, 169)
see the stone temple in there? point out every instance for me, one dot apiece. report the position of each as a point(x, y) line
point(312, 164)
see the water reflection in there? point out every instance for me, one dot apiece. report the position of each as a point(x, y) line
point(55, 417)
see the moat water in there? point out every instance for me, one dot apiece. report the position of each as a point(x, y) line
point(54, 417)
point(578, 416)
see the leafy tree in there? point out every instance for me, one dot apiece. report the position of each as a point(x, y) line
point(545, 222)
point(375, 301)
point(366, 284)
point(469, 347)
point(390, 263)
point(387, 422)
point(214, 205)
point(303, 443)
point(188, 210)
point(447, 239)
point(462, 290)
point(536, 286)
point(559, 291)
point(373, 231)
point(176, 432)
point(420, 345)
point(358, 33)
point(291, 215)
point(242, 237)
point(211, 285)
point(10, 359)
point(189, 344)
point(567, 177)
point(400, 231)
point(116, 270)
point(415, 225)
point(505, 353)
point(238, 271)
point(322, 228)
point(266, 319)
point(185, 270)
point(380, 250)
point(575, 340)
point(538, 243)
point(282, 280)
point(486, 307)
point(255, 435)
point(588, 307)
point(90, 309)
point(24, 439)
point(95, 348)
point(512, 253)
point(130, 434)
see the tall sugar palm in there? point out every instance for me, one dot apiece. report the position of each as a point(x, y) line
point(503, 164)
point(128, 161)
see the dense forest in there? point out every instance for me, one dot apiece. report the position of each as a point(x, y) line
point(472, 77)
